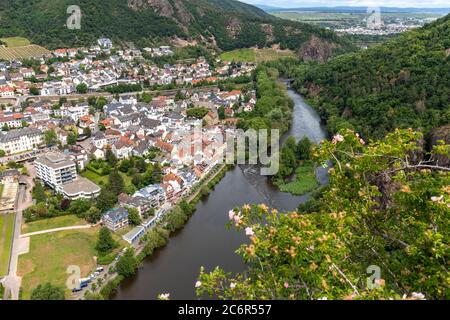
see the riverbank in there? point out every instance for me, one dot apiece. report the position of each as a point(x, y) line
point(159, 235)
point(303, 181)
point(205, 240)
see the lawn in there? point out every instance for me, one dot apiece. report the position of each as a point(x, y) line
point(15, 42)
point(51, 254)
point(255, 55)
point(305, 180)
point(242, 55)
point(53, 223)
point(6, 236)
point(94, 177)
point(103, 180)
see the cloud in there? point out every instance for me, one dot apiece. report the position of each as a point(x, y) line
point(334, 3)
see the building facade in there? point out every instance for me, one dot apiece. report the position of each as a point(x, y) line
point(17, 141)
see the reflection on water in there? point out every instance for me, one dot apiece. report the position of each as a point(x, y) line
point(205, 240)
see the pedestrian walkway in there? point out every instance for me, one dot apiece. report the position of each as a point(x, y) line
point(55, 230)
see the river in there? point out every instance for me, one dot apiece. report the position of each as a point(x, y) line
point(205, 240)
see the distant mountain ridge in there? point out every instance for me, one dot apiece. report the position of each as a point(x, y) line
point(226, 24)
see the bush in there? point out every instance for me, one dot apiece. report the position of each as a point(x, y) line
point(111, 286)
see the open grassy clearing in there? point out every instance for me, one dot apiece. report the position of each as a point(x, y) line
point(50, 254)
point(103, 180)
point(6, 236)
point(305, 180)
point(15, 42)
point(53, 223)
point(255, 55)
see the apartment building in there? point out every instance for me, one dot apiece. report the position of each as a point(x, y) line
point(21, 140)
point(59, 172)
point(115, 219)
point(55, 169)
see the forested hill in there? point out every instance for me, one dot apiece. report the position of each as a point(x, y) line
point(227, 23)
point(404, 82)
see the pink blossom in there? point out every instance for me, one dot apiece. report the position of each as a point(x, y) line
point(362, 141)
point(231, 214)
point(237, 218)
point(198, 284)
point(437, 199)
point(338, 138)
point(286, 285)
point(249, 232)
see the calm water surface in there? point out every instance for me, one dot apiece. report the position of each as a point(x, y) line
point(205, 240)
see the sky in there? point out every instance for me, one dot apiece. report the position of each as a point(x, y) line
point(335, 3)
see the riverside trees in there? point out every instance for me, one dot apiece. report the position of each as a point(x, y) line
point(381, 210)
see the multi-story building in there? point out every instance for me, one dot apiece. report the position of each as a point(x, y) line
point(115, 219)
point(153, 193)
point(21, 140)
point(60, 173)
point(55, 169)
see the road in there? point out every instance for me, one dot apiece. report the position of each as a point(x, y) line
point(24, 200)
point(21, 99)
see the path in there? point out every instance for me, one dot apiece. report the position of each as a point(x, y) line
point(87, 226)
point(19, 246)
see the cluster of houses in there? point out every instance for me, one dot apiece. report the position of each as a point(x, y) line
point(188, 147)
point(99, 66)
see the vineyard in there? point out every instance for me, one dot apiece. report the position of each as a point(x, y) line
point(24, 52)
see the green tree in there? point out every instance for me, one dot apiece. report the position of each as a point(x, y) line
point(50, 138)
point(47, 291)
point(133, 216)
point(87, 132)
point(38, 192)
point(110, 157)
point(79, 207)
point(105, 243)
point(115, 182)
point(82, 88)
point(106, 200)
point(72, 139)
point(127, 264)
point(303, 149)
point(93, 215)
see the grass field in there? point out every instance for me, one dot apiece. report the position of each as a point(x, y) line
point(15, 42)
point(305, 180)
point(103, 180)
point(255, 55)
point(53, 223)
point(51, 254)
point(6, 236)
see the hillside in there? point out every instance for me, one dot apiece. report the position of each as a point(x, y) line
point(402, 83)
point(228, 24)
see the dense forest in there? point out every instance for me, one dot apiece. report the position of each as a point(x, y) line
point(226, 23)
point(402, 83)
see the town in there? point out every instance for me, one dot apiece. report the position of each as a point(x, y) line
point(66, 135)
point(101, 67)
